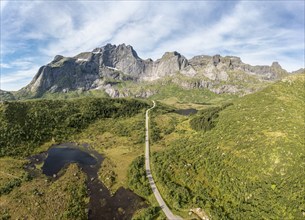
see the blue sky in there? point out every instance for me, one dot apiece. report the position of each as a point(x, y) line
point(260, 32)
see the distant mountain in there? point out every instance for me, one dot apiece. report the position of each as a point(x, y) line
point(120, 72)
point(299, 71)
point(5, 95)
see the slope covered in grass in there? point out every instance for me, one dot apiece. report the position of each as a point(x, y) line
point(26, 125)
point(251, 165)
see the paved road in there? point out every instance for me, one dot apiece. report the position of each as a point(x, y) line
point(153, 186)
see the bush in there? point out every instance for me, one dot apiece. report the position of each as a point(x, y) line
point(10, 186)
point(149, 213)
point(137, 180)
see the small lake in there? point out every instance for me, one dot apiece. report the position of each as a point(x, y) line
point(102, 205)
point(58, 157)
point(189, 111)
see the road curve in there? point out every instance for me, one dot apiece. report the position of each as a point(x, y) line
point(153, 186)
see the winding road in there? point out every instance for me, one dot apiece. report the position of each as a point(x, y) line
point(153, 186)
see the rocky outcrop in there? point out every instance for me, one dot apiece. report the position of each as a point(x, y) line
point(64, 74)
point(217, 68)
point(100, 68)
point(122, 57)
point(169, 64)
point(106, 67)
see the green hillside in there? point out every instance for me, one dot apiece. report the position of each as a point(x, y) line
point(250, 165)
point(26, 125)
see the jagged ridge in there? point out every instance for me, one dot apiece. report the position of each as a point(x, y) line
point(107, 66)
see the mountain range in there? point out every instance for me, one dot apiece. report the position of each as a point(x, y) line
point(120, 72)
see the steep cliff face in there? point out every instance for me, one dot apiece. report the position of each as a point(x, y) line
point(168, 65)
point(106, 67)
point(86, 70)
point(122, 57)
point(64, 74)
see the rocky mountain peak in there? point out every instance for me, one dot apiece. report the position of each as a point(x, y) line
point(171, 54)
point(171, 62)
point(174, 57)
point(128, 49)
point(276, 65)
point(103, 67)
point(57, 58)
point(120, 49)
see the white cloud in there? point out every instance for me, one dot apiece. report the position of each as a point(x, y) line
point(258, 32)
point(13, 82)
point(246, 33)
point(3, 3)
point(23, 63)
point(5, 65)
point(97, 26)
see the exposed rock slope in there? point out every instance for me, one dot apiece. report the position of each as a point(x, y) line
point(106, 67)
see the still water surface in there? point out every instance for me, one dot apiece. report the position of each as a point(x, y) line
point(189, 111)
point(61, 156)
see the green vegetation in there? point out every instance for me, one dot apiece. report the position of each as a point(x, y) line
point(11, 184)
point(168, 90)
point(75, 94)
point(26, 125)
point(155, 133)
point(120, 140)
point(205, 120)
point(243, 161)
point(77, 203)
point(6, 96)
point(114, 127)
point(149, 214)
point(107, 174)
point(137, 180)
point(249, 166)
point(188, 95)
point(43, 198)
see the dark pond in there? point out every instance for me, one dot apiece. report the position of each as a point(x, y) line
point(59, 157)
point(189, 111)
point(102, 205)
